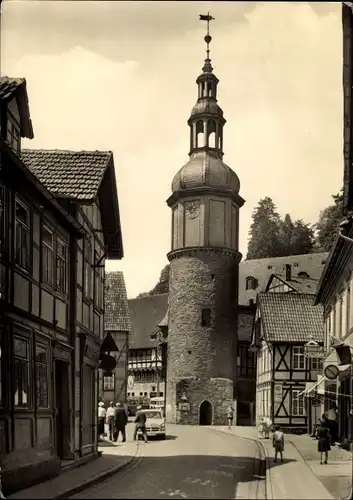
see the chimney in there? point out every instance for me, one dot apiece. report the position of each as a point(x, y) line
point(288, 272)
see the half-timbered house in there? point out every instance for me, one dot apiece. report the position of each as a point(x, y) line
point(36, 234)
point(335, 290)
point(84, 183)
point(59, 221)
point(146, 363)
point(296, 273)
point(117, 324)
point(284, 322)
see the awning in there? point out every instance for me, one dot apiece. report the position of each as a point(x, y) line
point(311, 386)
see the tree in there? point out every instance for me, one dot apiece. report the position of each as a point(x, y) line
point(327, 226)
point(302, 240)
point(286, 228)
point(163, 284)
point(264, 231)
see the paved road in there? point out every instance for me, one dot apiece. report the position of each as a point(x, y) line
point(194, 462)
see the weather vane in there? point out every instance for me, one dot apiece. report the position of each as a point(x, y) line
point(208, 37)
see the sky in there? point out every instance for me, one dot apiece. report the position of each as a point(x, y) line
point(120, 76)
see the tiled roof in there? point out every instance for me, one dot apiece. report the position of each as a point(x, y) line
point(290, 317)
point(146, 313)
point(9, 85)
point(68, 174)
point(261, 269)
point(17, 87)
point(116, 314)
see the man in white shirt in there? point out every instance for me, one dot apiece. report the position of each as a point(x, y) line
point(110, 420)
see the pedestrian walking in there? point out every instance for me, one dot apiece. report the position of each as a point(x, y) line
point(140, 424)
point(120, 422)
point(230, 414)
point(278, 442)
point(102, 414)
point(324, 436)
point(332, 422)
point(111, 420)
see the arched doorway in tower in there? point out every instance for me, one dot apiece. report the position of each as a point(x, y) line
point(205, 413)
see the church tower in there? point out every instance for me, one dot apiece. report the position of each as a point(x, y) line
point(204, 264)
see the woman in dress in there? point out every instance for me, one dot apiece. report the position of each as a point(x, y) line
point(324, 437)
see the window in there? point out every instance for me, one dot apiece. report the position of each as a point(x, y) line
point(61, 266)
point(2, 219)
point(87, 269)
point(41, 367)
point(348, 310)
point(334, 321)
point(246, 361)
point(303, 274)
point(340, 317)
point(206, 317)
point(98, 284)
point(22, 254)
point(21, 372)
point(47, 256)
point(13, 137)
point(109, 382)
point(250, 283)
point(298, 408)
point(316, 364)
point(298, 358)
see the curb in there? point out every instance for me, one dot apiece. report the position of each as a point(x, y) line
point(311, 470)
point(95, 480)
point(262, 470)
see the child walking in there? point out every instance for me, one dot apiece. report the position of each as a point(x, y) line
point(278, 442)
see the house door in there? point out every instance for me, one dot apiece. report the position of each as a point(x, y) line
point(62, 406)
point(205, 416)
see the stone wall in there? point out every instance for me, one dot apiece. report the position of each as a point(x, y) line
point(191, 393)
point(202, 279)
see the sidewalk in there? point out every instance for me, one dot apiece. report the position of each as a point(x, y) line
point(114, 458)
point(293, 479)
point(337, 474)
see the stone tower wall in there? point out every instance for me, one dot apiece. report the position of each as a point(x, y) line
point(202, 357)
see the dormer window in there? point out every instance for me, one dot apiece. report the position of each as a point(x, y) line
point(303, 274)
point(251, 283)
point(13, 135)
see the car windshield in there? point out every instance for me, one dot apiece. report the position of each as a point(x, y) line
point(153, 414)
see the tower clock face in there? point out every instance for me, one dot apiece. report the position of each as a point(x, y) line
point(192, 209)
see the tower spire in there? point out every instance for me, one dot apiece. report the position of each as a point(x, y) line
point(207, 68)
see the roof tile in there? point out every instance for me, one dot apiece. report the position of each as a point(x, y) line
point(146, 313)
point(116, 314)
point(9, 85)
point(68, 174)
point(291, 317)
point(261, 269)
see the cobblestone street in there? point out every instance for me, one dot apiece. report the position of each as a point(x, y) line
point(192, 462)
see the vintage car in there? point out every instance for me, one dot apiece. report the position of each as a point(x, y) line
point(155, 424)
